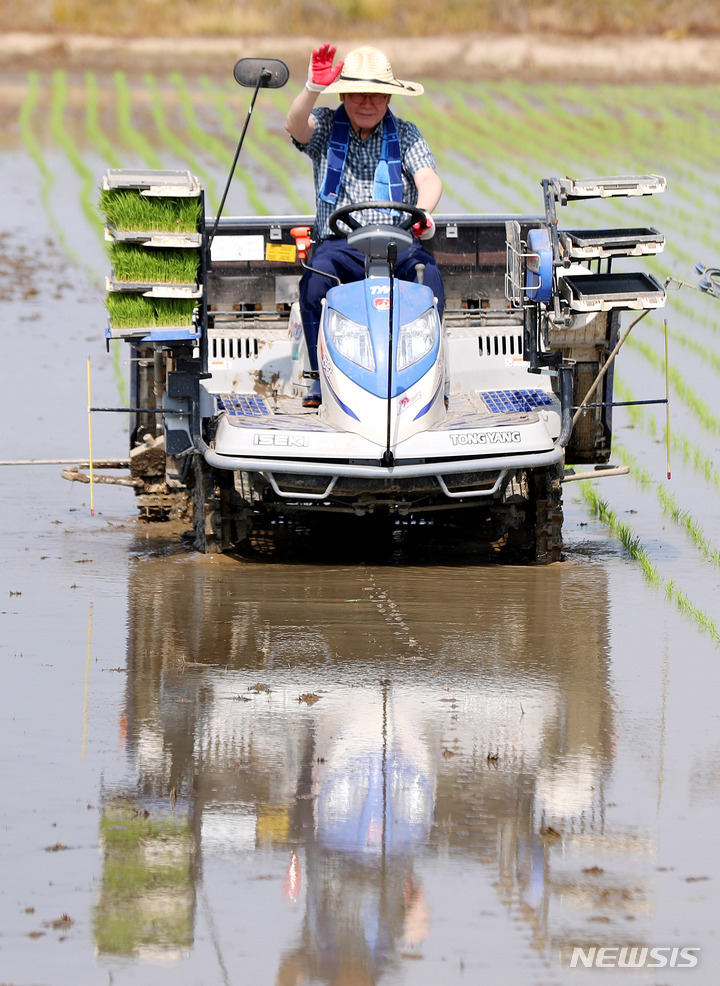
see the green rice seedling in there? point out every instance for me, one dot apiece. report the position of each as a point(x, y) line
point(623, 120)
point(683, 518)
point(640, 474)
point(685, 605)
point(632, 544)
point(64, 139)
point(178, 146)
point(513, 113)
point(127, 209)
point(686, 393)
point(134, 311)
point(134, 263)
point(213, 145)
point(682, 307)
point(442, 130)
point(694, 455)
point(636, 413)
point(709, 356)
point(691, 453)
point(27, 112)
point(174, 311)
point(259, 147)
point(92, 122)
point(130, 134)
point(695, 130)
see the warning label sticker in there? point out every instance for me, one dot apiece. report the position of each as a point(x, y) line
point(285, 253)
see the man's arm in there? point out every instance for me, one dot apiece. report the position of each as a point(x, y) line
point(321, 72)
point(300, 123)
point(429, 186)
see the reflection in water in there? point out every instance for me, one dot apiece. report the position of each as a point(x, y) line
point(366, 807)
point(360, 726)
point(146, 902)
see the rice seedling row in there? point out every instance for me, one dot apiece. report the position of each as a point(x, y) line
point(93, 129)
point(126, 210)
point(690, 452)
point(27, 113)
point(134, 138)
point(629, 539)
point(213, 145)
point(134, 311)
point(64, 139)
point(176, 144)
point(266, 159)
point(160, 265)
point(680, 516)
point(681, 387)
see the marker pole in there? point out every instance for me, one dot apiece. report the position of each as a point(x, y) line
point(667, 401)
point(90, 451)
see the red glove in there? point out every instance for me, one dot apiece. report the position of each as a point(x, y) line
point(321, 71)
point(425, 229)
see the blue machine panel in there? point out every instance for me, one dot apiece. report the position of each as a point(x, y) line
point(515, 401)
point(247, 405)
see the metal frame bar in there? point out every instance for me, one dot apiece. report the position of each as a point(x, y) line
point(237, 463)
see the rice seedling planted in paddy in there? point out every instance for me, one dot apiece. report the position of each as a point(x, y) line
point(632, 544)
point(669, 503)
point(133, 138)
point(175, 143)
point(213, 145)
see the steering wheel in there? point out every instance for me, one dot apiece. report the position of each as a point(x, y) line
point(345, 215)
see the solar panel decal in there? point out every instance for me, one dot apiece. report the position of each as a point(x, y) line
point(247, 405)
point(515, 401)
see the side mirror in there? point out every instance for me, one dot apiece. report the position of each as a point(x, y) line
point(271, 73)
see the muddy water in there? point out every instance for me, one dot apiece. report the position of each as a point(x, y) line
point(325, 769)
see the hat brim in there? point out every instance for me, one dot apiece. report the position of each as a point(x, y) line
point(399, 87)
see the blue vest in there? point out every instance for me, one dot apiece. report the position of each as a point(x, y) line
point(388, 173)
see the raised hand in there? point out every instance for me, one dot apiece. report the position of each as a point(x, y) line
point(321, 71)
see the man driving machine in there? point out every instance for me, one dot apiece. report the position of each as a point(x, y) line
point(360, 152)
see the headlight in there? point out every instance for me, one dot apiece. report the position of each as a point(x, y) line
point(351, 339)
point(416, 339)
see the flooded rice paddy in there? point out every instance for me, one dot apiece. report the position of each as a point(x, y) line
point(334, 767)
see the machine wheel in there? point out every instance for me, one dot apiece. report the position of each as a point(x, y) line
point(546, 485)
point(164, 493)
point(221, 518)
point(534, 519)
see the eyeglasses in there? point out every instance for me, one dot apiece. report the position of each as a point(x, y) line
point(374, 97)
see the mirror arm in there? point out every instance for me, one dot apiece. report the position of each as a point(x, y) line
point(263, 75)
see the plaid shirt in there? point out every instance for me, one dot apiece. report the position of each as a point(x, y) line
point(358, 179)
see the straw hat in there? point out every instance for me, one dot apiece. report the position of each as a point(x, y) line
point(367, 69)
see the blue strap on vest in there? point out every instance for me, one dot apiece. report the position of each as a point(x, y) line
point(388, 173)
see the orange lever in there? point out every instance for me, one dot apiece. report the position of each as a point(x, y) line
point(302, 240)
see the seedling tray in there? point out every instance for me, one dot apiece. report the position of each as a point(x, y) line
point(155, 289)
point(153, 333)
point(153, 238)
point(603, 292)
point(600, 243)
point(595, 188)
point(178, 184)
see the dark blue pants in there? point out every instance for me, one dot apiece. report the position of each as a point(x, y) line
point(336, 257)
